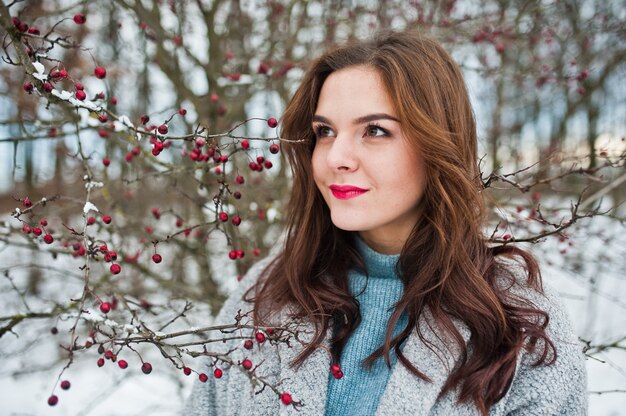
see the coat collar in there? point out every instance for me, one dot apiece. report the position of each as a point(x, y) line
point(405, 393)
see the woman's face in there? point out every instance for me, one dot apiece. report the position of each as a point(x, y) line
point(370, 177)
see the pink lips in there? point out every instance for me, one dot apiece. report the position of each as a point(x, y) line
point(346, 191)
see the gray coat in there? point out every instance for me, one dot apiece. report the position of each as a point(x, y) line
point(559, 389)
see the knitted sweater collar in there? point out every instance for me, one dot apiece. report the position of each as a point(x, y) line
point(378, 265)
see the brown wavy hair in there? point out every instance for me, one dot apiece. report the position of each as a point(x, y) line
point(447, 265)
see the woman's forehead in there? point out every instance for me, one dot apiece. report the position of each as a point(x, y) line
point(353, 93)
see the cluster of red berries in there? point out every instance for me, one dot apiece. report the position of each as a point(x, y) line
point(53, 400)
point(259, 337)
point(109, 257)
point(133, 152)
point(78, 248)
point(335, 369)
point(260, 164)
point(158, 145)
point(211, 154)
point(21, 26)
point(37, 231)
point(105, 219)
point(236, 254)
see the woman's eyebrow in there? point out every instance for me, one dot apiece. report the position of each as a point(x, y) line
point(360, 120)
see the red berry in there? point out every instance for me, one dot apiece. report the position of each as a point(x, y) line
point(48, 239)
point(34, 31)
point(115, 268)
point(268, 164)
point(245, 145)
point(146, 368)
point(113, 100)
point(63, 73)
point(43, 222)
point(37, 231)
point(100, 362)
point(156, 213)
point(260, 337)
point(248, 344)
point(157, 258)
point(187, 371)
point(135, 151)
point(203, 377)
point(223, 216)
point(240, 254)
point(230, 55)
point(28, 87)
point(79, 86)
point(263, 68)
point(47, 87)
point(240, 179)
point(272, 122)
point(26, 229)
point(163, 129)
point(53, 400)
point(100, 72)
point(106, 219)
point(338, 374)
point(27, 203)
point(145, 118)
point(232, 254)
point(91, 220)
point(274, 149)
point(334, 368)
point(506, 237)
point(179, 222)
point(286, 398)
point(247, 364)
point(236, 220)
point(182, 111)
point(260, 159)
point(123, 364)
point(80, 18)
point(105, 307)
point(237, 195)
point(102, 118)
point(214, 98)
point(80, 95)
point(218, 373)
point(65, 385)
point(256, 252)
point(108, 354)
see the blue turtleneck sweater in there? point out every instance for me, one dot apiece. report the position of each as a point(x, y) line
point(359, 391)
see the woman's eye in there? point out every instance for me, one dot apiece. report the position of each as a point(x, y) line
point(375, 131)
point(323, 131)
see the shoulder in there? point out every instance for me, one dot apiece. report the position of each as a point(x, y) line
point(559, 388)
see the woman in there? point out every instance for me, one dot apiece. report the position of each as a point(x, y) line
point(404, 307)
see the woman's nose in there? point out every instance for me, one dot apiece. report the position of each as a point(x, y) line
point(342, 154)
